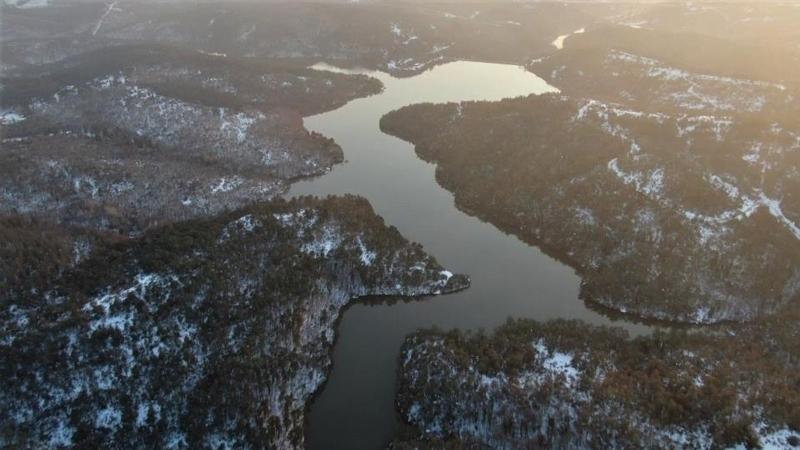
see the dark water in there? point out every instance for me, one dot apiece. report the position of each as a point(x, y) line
point(355, 409)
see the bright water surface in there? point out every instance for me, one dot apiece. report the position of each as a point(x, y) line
point(355, 409)
point(559, 41)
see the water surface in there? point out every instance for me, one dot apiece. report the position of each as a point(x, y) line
point(559, 41)
point(355, 409)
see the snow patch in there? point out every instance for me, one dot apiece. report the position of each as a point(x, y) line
point(558, 363)
point(367, 256)
point(10, 117)
point(241, 226)
point(226, 185)
point(108, 417)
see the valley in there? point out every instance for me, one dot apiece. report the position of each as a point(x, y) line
point(231, 225)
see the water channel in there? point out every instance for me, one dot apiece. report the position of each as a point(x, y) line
point(355, 409)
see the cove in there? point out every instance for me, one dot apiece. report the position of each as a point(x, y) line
point(355, 409)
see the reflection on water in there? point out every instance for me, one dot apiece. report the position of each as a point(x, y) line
point(355, 410)
point(559, 41)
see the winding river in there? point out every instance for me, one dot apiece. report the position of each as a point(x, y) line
point(355, 409)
